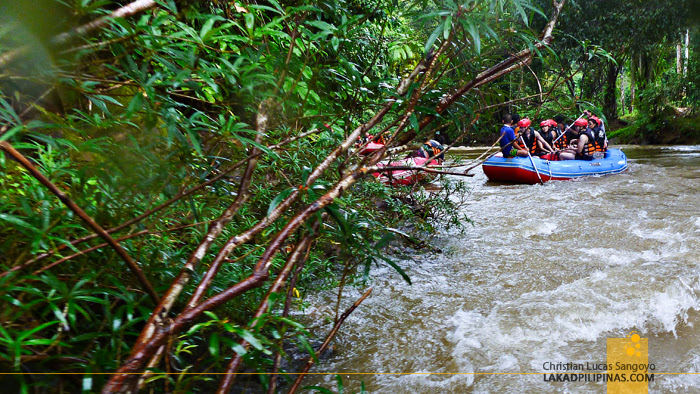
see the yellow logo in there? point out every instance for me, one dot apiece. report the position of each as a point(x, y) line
point(628, 360)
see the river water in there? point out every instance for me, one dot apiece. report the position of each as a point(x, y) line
point(545, 273)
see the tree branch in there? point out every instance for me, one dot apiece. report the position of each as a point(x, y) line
point(161, 311)
point(123, 12)
point(300, 253)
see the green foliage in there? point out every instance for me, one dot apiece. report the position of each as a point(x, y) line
point(664, 130)
point(125, 120)
point(640, 43)
point(155, 104)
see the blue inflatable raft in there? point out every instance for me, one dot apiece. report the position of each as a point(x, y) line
point(521, 170)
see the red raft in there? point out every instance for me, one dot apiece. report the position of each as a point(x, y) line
point(371, 148)
point(405, 177)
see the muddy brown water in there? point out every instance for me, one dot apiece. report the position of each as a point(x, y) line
point(546, 273)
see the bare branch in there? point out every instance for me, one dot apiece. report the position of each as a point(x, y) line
point(120, 381)
point(215, 230)
point(300, 253)
point(123, 12)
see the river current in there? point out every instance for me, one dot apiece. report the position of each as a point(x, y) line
point(546, 273)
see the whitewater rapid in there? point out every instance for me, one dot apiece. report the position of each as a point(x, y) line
point(546, 273)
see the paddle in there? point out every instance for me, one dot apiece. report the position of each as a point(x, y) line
point(567, 128)
point(530, 156)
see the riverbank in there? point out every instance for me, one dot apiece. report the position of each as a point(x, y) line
point(671, 130)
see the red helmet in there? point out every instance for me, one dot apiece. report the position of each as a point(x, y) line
point(545, 123)
point(581, 122)
point(524, 123)
point(552, 122)
point(596, 120)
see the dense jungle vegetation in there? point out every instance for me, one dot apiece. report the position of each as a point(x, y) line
point(178, 175)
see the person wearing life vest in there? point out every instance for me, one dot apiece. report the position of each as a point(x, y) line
point(518, 131)
point(431, 148)
point(594, 129)
point(363, 139)
point(600, 139)
point(581, 148)
point(442, 141)
point(534, 143)
point(549, 130)
point(570, 134)
point(589, 114)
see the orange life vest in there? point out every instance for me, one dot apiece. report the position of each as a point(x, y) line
point(433, 149)
point(599, 139)
point(590, 146)
point(531, 141)
point(562, 142)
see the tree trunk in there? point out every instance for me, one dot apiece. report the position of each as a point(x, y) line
point(622, 91)
point(521, 86)
point(632, 86)
point(646, 74)
point(610, 98)
point(584, 70)
point(687, 44)
point(679, 58)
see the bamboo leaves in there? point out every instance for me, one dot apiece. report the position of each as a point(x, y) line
point(440, 28)
point(16, 346)
point(279, 198)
